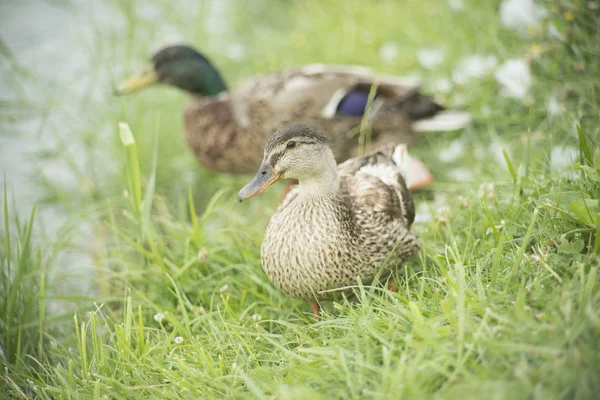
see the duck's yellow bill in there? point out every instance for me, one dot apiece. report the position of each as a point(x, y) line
point(144, 78)
point(265, 177)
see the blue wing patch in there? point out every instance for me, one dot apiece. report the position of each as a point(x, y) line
point(353, 104)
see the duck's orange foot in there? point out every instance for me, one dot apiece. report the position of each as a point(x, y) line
point(315, 308)
point(392, 285)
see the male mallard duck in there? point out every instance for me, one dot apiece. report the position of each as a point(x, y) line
point(339, 223)
point(227, 131)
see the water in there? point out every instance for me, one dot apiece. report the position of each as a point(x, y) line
point(53, 85)
point(36, 34)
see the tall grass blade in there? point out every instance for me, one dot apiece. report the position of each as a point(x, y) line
point(585, 152)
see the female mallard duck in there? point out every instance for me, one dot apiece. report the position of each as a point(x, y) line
point(340, 223)
point(227, 131)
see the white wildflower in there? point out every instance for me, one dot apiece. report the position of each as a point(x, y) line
point(540, 315)
point(496, 149)
point(463, 201)
point(522, 14)
point(223, 288)
point(389, 52)
point(461, 174)
point(201, 310)
point(442, 214)
point(442, 85)
point(515, 78)
point(158, 317)
point(485, 110)
point(256, 317)
point(430, 57)
point(553, 106)
point(423, 214)
point(487, 190)
point(562, 159)
point(475, 66)
point(452, 152)
point(456, 4)
point(459, 99)
point(554, 33)
point(203, 254)
point(178, 339)
point(216, 18)
point(235, 52)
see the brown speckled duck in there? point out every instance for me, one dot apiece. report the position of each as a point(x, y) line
point(340, 223)
point(227, 131)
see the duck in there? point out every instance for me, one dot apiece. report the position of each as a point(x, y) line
point(227, 130)
point(340, 224)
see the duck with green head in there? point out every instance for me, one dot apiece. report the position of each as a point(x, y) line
point(228, 130)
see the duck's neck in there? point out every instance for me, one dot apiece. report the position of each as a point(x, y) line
point(325, 183)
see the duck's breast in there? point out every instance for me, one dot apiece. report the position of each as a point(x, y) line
point(311, 247)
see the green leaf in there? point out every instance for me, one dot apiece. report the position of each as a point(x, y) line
point(561, 202)
point(587, 211)
point(577, 245)
point(597, 158)
point(591, 173)
point(571, 247)
point(565, 248)
point(563, 199)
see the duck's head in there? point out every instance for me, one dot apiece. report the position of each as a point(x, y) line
point(179, 66)
point(295, 152)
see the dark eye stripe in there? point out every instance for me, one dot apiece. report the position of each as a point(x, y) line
point(274, 158)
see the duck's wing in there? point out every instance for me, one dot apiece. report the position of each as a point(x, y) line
point(340, 93)
point(377, 185)
point(414, 172)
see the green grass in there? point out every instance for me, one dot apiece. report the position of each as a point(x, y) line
point(502, 302)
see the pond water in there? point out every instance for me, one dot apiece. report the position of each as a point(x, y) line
point(52, 86)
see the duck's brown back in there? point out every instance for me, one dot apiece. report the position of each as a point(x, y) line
point(228, 134)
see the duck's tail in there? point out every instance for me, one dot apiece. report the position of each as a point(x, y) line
point(415, 173)
point(429, 115)
point(443, 121)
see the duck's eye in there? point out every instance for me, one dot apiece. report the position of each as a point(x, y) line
point(291, 145)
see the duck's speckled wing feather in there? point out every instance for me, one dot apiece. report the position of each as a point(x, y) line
point(376, 184)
